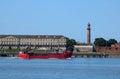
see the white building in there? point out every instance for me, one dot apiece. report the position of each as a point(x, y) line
point(83, 48)
point(33, 41)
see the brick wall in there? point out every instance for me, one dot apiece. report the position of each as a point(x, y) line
point(113, 49)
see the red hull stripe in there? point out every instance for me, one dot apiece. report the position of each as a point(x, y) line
point(46, 56)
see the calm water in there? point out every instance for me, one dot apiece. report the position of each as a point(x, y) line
point(76, 68)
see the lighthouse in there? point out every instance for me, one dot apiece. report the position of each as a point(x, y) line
point(88, 34)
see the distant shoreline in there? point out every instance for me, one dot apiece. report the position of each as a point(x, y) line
point(75, 55)
point(97, 55)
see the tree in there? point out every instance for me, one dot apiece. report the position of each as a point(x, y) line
point(100, 42)
point(103, 42)
point(70, 44)
point(111, 41)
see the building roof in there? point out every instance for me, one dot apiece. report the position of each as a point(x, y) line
point(35, 36)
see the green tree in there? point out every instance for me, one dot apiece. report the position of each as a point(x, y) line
point(111, 41)
point(70, 44)
point(100, 42)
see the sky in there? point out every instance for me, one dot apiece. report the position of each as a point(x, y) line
point(61, 17)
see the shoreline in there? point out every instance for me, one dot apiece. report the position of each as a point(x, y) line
point(75, 55)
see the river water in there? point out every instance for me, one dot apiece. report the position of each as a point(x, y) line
point(75, 68)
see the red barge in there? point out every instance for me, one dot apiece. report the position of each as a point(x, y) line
point(61, 55)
